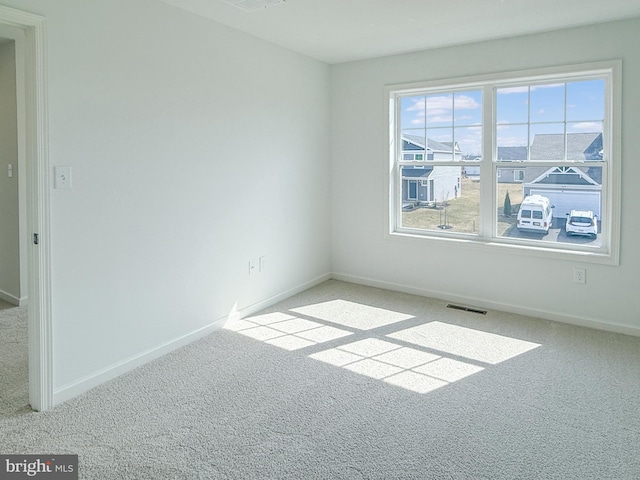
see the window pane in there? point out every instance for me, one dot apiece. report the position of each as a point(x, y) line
point(585, 101)
point(468, 141)
point(468, 108)
point(438, 198)
point(412, 112)
point(512, 105)
point(547, 141)
point(547, 103)
point(562, 190)
point(512, 142)
point(586, 146)
point(440, 144)
point(439, 110)
point(412, 144)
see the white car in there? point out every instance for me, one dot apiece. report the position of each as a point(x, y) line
point(582, 222)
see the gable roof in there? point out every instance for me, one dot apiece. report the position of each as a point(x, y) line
point(563, 175)
point(416, 172)
point(512, 153)
point(580, 146)
point(432, 145)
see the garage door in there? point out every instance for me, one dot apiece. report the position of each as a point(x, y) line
point(566, 200)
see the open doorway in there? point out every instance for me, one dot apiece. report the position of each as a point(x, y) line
point(14, 390)
point(25, 33)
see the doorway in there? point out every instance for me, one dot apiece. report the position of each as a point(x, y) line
point(14, 383)
point(13, 286)
point(27, 31)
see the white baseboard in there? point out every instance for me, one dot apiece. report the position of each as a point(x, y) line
point(12, 299)
point(504, 307)
point(86, 383)
point(256, 307)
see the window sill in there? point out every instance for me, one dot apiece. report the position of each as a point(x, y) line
point(483, 245)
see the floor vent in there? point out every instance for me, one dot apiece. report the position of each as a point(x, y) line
point(467, 309)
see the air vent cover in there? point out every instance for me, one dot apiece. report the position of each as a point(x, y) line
point(467, 309)
point(253, 5)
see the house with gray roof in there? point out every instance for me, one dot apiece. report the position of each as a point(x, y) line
point(580, 146)
point(511, 174)
point(568, 188)
point(424, 183)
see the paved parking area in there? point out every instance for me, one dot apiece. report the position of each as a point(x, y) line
point(556, 234)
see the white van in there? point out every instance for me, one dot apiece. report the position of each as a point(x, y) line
point(535, 214)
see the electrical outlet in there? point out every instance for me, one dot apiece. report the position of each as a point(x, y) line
point(579, 275)
point(262, 263)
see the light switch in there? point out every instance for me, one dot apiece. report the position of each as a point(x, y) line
point(10, 171)
point(62, 177)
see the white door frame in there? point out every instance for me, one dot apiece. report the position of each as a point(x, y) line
point(36, 157)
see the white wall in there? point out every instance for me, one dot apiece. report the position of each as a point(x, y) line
point(193, 148)
point(9, 218)
point(361, 249)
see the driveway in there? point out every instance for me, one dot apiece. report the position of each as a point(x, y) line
point(556, 234)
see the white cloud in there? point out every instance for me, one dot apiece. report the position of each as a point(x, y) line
point(439, 108)
point(587, 127)
point(525, 88)
point(418, 105)
point(510, 90)
point(441, 118)
point(441, 102)
point(465, 102)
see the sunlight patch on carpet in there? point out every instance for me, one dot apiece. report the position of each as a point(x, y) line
point(286, 331)
point(351, 314)
point(464, 342)
point(442, 353)
point(397, 365)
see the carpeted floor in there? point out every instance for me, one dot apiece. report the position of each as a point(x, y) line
point(14, 394)
point(350, 382)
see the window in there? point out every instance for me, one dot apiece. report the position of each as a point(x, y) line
point(489, 144)
point(518, 175)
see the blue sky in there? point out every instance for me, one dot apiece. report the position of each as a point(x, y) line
point(521, 112)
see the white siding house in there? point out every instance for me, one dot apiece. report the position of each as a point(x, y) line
point(422, 183)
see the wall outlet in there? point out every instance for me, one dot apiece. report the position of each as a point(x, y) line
point(579, 275)
point(262, 263)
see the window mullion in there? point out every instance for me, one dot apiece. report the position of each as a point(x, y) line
point(488, 172)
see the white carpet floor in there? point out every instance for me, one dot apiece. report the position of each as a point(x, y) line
point(350, 382)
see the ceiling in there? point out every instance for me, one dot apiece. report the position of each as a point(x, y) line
point(336, 31)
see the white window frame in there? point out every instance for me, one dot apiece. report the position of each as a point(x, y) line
point(607, 253)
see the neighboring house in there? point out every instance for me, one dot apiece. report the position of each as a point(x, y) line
point(511, 174)
point(567, 188)
point(413, 148)
point(580, 146)
point(425, 183)
point(575, 187)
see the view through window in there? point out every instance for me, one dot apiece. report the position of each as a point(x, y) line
point(512, 160)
